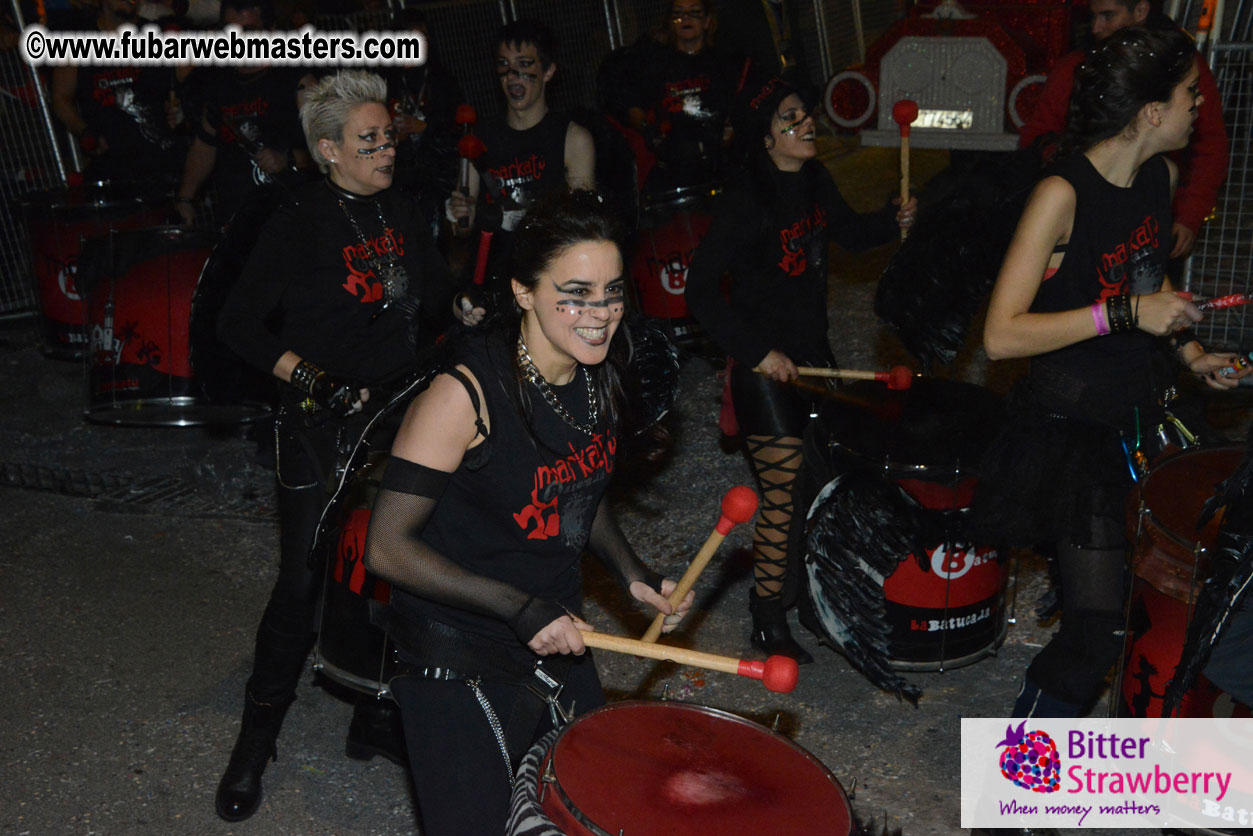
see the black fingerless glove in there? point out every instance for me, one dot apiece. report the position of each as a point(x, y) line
point(339, 397)
point(535, 615)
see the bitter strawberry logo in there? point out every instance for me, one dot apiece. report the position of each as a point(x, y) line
point(1030, 759)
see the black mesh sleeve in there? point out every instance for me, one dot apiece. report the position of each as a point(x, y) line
point(396, 552)
point(609, 544)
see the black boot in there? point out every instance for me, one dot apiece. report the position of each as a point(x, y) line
point(376, 730)
point(239, 792)
point(770, 631)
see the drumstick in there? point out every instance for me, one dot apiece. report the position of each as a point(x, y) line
point(738, 506)
point(777, 673)
point(1215, 303)
point(469, 148)
point(904, 112)
point(898, 377)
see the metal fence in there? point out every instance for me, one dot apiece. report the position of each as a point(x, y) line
point(29, 163)
point(1222, 260)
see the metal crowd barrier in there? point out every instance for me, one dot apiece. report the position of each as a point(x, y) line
point(1222, 260)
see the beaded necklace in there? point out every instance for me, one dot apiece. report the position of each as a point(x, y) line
point(532, 374)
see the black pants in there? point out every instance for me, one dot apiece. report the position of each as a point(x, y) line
point(307, 453)
point(458, 769)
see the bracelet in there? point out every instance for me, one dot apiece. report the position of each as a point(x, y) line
point(1118, 313)
point(1098, 316)
point(305, 375)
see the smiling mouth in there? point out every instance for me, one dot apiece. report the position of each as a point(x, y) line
point(593, 336)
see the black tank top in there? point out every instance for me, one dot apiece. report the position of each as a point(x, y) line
point(1117, 245)
point(520, 506)
point(523, 165)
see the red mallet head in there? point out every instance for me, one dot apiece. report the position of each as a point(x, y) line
point(470, 147)
point(900, 377)
point(466, 115)
point(778, 673)
point(904, 113)
point(738, 506)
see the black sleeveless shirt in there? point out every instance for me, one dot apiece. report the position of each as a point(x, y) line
point(520, 506)
point(1118, 245)
point(524, 164)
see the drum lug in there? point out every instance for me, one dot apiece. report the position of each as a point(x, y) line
point(545, 779)
point(778, 718)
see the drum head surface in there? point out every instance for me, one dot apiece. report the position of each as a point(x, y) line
point(669, 769)
point(932, 424)
point(1179, 485)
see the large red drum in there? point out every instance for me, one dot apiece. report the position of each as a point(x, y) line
point(672, 225)
point(1170, 565)
point(138, 286)
point(945, 608)
point(59, 222)
point(671, 769)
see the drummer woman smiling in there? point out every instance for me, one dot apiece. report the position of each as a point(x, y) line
point(495, 487)
point(771, 232)
point(1083, 292)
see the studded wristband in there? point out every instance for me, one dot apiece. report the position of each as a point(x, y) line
point(305, 376)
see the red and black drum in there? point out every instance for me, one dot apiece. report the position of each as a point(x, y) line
point(350, 649)
point(891, 472)
point(59, 222)
point(138, 287)
point(671, 769)
point(1170, 565)
point(672, 224)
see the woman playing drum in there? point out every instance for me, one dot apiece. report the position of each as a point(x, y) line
point(495, 486)
point(772, 233)
point(328, 303)
point(1082, 291)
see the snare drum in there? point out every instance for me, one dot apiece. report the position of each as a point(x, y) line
point(943, 609)
point(672, 225)
point(138, 288)
point(670, 769)
point(1170, 565)
point(59, 221)
point(350, 649)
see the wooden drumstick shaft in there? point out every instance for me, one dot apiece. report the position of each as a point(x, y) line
point(777, 673)
point(904, 172)
point(738, 505)
point(662, 652)
point(686, 582)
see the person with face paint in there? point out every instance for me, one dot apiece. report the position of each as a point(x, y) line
point(1202, 164)
point(530, 150)
point(771, 233)
point(341, 290)
point(683, 98)
point(1082, 291)
point(495, 487)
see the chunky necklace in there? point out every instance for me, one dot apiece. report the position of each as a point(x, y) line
point(527, 366)
point(390, 273)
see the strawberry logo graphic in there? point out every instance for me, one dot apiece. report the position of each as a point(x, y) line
point(1030, 759)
